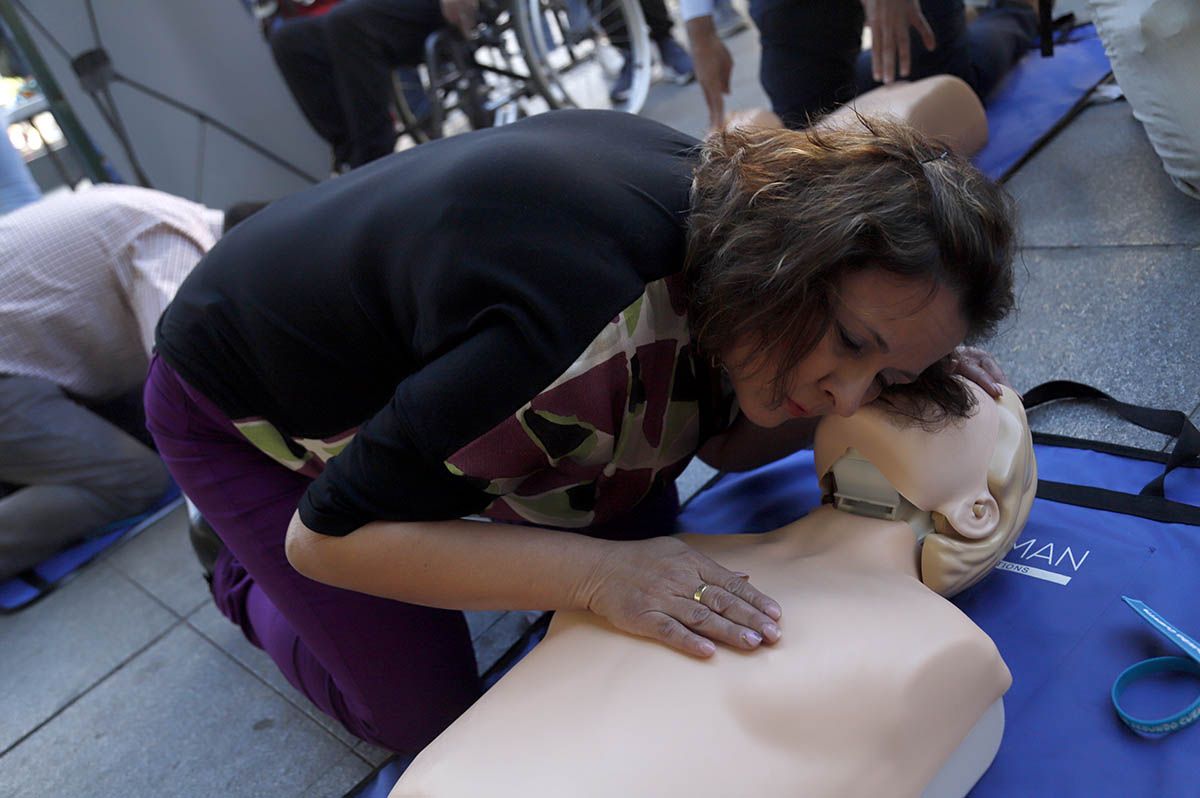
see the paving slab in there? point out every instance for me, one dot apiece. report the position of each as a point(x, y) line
point(161, 560)
point(218, 630)
point(1120, 318)
point(1099, 182)
point(492, 633)
point(480, 622)
point(373, 754)
point(693, 478)
point(181, 719)
point(54, 651)
point(500, 637)
point(340, 779)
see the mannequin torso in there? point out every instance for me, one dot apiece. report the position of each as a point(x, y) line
point(875, 682)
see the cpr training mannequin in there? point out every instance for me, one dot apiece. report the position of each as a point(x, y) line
point(942, 107)
point(875, 682)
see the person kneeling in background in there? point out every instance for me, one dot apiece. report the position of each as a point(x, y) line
point(83, 279)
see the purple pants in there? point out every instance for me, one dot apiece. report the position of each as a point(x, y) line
point(393, 674)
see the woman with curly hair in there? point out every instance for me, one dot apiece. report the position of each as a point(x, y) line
point(466, 377)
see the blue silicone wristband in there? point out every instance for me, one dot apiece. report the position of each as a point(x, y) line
point(1149, 667)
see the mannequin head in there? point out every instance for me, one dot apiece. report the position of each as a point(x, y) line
point(965, 487)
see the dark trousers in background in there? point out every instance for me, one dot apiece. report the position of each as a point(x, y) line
point(339, 66)
point(658, 20)
point(69, 469)
point(812, 60)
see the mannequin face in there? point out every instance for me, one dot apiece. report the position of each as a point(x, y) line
point(885, 330)
point(976, 476)
point(941, 471)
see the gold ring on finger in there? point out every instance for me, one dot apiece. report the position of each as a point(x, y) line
point(699, 594)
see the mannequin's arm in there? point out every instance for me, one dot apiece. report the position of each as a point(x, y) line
point(745, 446)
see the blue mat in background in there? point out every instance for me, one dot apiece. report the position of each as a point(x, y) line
point(1037, 97)
point(31, 585)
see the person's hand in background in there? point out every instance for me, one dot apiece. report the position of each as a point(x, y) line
point(889, 21)
point(462, 14)
point(981, 368)
point(713, 65)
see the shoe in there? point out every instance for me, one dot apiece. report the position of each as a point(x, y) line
point(204, 540)
point(624, 82)
point(728, 20)
point(677, 64)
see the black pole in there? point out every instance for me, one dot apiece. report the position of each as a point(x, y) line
point(216, 123)
point(95, 166)
point(1046, 26)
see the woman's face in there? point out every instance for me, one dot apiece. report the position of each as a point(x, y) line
point(886, 330)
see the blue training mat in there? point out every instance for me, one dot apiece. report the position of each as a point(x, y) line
point(381, 782)
point(31, 585)
point(1054, 609)
point(1037, 96)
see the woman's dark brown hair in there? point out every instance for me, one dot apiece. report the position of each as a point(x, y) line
point(780, 217)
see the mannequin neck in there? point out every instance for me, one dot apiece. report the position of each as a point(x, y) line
point(858, 541)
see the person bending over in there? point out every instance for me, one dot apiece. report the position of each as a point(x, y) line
point(84, 277)
point(541, 324)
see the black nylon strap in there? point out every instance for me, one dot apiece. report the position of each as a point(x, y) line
point(1151, 507)
point(1171, 423)
point(1129, 452)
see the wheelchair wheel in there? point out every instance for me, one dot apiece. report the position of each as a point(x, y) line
point(481, 82)
point(410, 98)
point(586, 53)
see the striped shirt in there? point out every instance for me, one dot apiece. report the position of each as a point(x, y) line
point(84, 277)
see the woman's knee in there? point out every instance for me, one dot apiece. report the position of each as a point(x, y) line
point(398, 688)
point(412, 715)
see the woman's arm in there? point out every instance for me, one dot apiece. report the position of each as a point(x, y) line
point(644, 587)
point(458, 564)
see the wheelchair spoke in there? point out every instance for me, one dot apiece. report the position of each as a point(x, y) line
point(529, 56)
